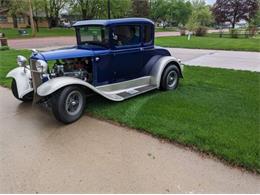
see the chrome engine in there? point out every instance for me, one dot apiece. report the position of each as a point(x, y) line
point(78, 67)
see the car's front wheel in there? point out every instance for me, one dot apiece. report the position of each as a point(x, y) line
point(170, 78)
point(68, 104)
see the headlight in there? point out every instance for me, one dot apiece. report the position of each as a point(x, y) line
point(41, 66)
point(21, 60)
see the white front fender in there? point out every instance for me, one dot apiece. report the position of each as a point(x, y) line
point(55, 84)
point(22, 79)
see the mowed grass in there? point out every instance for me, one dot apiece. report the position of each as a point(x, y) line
point(43, 32)
point(8, 62)
point(214, 110)
point(239, 44)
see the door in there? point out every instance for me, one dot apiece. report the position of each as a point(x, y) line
point(127, 52)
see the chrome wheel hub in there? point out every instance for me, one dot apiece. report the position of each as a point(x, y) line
point(172, 79)
point(74, 102)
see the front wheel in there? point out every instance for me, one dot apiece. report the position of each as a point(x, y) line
point(170, 78)
point(68, 104)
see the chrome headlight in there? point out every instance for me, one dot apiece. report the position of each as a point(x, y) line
point(21, 60)
point(41, 66)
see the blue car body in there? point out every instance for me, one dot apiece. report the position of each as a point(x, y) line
point(115, 64)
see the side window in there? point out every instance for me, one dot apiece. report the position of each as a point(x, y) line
point(147, 34)
point(125, 35)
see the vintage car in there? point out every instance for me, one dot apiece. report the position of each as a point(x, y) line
point(114, 58)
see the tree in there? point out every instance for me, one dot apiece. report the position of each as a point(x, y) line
point(160, 11)
point(31, 17)
point(234, 10)
point(38, 10)
point(15, 7)
point(140, 8)
point(89, 8)
point(179, 12)
point(121, 8)
point(200, 18)
point(52, 10)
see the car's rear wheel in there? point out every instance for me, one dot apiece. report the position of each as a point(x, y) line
point(68, 104)
point(27, 98)
point(170, 78)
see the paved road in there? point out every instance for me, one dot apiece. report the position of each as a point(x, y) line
point(40, 155)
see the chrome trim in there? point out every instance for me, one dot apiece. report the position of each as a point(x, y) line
point(125, 84)
point(36, 79)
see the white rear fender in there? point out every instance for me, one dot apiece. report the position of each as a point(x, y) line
point(159, 66)
point(22, 79)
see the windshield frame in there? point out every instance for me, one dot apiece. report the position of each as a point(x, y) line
point(89, 43)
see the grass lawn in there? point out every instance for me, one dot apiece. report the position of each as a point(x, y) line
point(214, 110)
point(252, 44)
point(43, 32)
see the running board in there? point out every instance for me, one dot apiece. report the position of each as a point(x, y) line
point(127, 89)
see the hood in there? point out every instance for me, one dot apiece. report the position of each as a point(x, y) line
point(63, 54)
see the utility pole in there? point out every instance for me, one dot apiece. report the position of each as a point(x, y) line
point(31, 18)
point(108, 9)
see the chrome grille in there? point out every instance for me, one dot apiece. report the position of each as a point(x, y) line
point(36, 79)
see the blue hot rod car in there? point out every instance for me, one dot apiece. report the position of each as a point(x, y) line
point(114, 58)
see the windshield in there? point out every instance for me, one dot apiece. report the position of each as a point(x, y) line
point(93, 35)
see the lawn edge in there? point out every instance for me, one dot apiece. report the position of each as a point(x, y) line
point(191, 147)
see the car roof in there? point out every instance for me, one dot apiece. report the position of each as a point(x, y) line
point(113, 21)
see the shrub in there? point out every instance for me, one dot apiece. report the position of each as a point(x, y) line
point(3, 48)
point(234, 33)
point(201, 31)
point(183, 31)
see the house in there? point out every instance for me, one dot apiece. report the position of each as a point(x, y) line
point(22, 19)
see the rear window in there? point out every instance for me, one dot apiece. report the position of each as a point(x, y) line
point(147, 34)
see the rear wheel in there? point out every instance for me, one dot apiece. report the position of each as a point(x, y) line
point(68, 104)
point(27, 98)
point(170, 78)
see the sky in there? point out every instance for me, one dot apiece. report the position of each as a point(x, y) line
point(210, 2)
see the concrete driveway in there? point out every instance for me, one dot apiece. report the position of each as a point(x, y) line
point(40, 155)
point(237, 60)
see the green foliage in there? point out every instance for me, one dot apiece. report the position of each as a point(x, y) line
point(120, 8)
point(97, 9)
point(4, 48)
point(140, 8)
point(200, 18)
point(175, 12)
